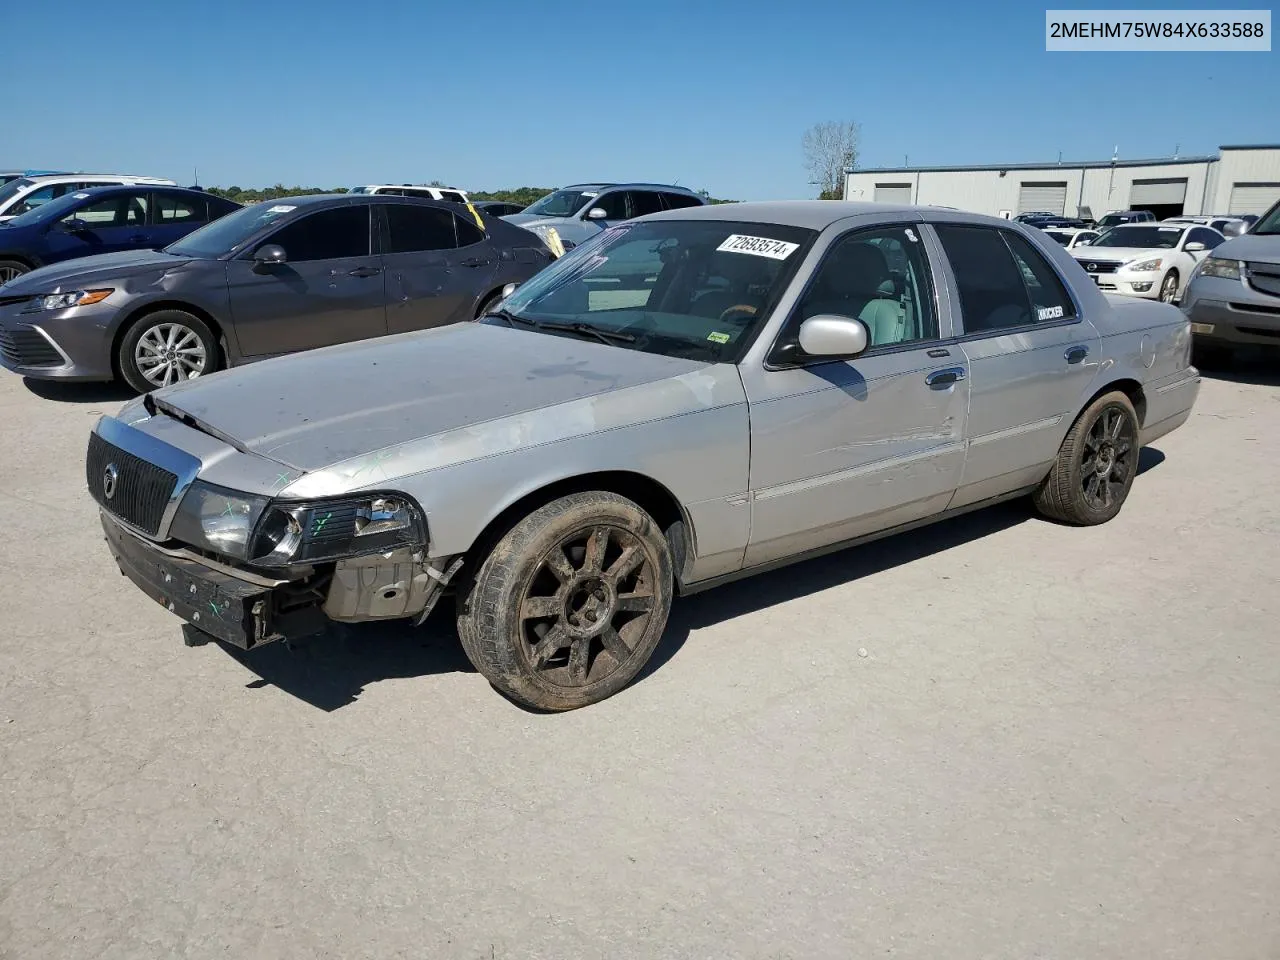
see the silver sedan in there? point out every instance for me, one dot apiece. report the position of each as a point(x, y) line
point(689, 398)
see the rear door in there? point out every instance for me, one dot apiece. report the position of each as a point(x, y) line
point(437, 264)
point(328, 291)
point(1032, 356)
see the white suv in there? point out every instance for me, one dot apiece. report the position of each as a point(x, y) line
point(452, 194)
point(27, 193)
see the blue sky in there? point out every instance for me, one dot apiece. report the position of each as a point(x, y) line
point(503, 93)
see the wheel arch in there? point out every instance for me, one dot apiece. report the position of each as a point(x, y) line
point(650, 495)
point(155, 306)
point(1130, 388)
point(26, 261)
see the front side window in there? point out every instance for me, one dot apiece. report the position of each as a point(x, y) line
point(698, 289)
point(1003, 282)
point(412, 228)
point(613, 204)
point(335, 234)
point(117, 210)
point(645, 201)
point(880, 277)
point(1145, 237)
point(171, 209)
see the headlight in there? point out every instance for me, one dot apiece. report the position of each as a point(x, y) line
point(1144, 266)
point(306, 533)
point(1218, 267)
point(217, 519)
point(72, 298)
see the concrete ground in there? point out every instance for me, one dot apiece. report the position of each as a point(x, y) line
point(1060, 743)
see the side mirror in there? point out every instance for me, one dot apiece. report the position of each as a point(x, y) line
point(1194, 247)
point(597, 213)
point(270, 254)
point(829, 335)
point(73, 225)
point(509, 289)
point(1234, 229)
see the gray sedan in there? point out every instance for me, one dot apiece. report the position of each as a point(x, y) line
point(689, 398)
point(276, 277)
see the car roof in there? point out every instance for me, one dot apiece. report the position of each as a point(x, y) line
point(813, 214)
point(56, 177)
point(635, 184)
point(412, 186)
point(111, 188)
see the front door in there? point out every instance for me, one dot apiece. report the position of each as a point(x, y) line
point(109, 225)
point(329, 289)
point(437, 264)
point(844, 449)
point(1032, 356)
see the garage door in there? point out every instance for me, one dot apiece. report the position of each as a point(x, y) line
point(893, 193)
point(1046, 197)
point(1253, 198)
point(1157, 193)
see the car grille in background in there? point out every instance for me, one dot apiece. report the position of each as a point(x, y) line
point(1099, 266)
point(25, 347)
point(1265, 277)
point(142, 489)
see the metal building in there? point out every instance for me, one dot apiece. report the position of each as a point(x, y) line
point(1240, 179)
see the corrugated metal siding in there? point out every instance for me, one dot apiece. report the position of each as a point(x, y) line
point(1252, 197)
point(892, 193)
point(1037, 196)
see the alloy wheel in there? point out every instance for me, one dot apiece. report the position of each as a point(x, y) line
point(10, 273)
point(169, 352)
point(1110, 457)
point(1169, 291)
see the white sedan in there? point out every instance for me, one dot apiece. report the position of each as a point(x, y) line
point(1147, 259)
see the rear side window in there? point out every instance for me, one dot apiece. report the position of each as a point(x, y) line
point(413, 229)
point(468, 232)
point(171, 209)
point(452, 196)
point(1003, 281)
point(678, 201)
point(335, 234)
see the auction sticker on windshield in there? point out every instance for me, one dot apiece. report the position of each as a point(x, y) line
point(758, 246)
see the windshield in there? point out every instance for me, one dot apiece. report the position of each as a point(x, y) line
point(1270, 222)
point(562, 203)
point(1062, 238)
point(12, 189)
point(51, 210)
point(229, 233)
point(697, 289)
point(1156, 238)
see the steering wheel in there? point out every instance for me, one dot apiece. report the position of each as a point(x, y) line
point(746, 309)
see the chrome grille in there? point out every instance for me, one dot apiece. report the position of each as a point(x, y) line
point(1264, 277)
point(1099, 266)
point(141, 490)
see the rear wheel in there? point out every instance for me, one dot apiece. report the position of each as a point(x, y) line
point(489, 304)
point(9, 269)
point(166, 347)
point(570, 604)
point(1096, 464)
point(1169, 289)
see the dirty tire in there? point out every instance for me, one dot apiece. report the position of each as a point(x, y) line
point(11, 269)
point(126, 361)
point(1096, 464)
point(570, 604)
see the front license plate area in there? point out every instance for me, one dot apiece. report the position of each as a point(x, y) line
point(220, 605)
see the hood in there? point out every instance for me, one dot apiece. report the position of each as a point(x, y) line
point(86, 271)
point(1118, 254)
point(1258, 248)
point(321, 407)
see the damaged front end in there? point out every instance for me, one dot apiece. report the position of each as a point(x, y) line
point(249, 568)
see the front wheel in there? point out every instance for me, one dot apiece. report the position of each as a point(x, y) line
point(1096, 464)
point(166, 347)
point(1169, 289)
point(570, 604)
point(11, 269)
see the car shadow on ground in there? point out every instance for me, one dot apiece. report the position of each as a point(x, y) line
point(332, 670)
point(79, 392)
point(1256, 367)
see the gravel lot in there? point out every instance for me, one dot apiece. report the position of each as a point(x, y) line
point(1060, 744)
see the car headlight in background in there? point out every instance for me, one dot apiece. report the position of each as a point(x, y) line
point(1144, 266)
point(1218, 267)
point(333, 530)
point(72, 298)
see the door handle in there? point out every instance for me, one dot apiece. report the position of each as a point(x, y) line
point(945, 377)
point(140, 238)
point(1076, 354)
point(364, 272)
point(475, 262)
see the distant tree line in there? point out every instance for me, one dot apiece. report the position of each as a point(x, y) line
point(521, 195)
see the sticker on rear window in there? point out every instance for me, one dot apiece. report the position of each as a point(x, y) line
point(718, 337)
point(1048, 313)
point(758, 246)
point(911, 236)
point(280, 208)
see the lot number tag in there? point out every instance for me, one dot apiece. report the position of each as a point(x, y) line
point(758, 246)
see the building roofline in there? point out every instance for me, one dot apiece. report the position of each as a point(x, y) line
point(1076, 165)
point(1250, 146)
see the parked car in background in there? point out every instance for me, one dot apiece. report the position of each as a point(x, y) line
point(698, 396)
point(27, 193)
point(1071, 237)
point(1046, 220)
point(103, 220)
point(1233, 298)
point(579, 212)
point(1147, 260)
point(268, 279)
point(7, 176)
point(1117, 217)
point(451, 194)
point(497, 208)
point(1227, 226)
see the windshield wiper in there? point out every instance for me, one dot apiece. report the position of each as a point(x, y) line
point(587, 330)
point(511, 318)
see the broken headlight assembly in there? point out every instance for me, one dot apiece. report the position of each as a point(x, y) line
point(291, 533)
